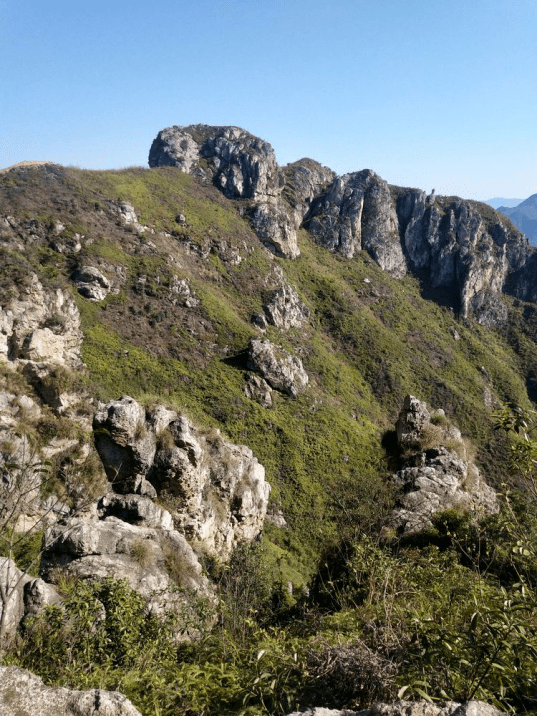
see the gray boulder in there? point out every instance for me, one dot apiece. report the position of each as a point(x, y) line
point(25, 595)
point(257, 388)
point(24, 694)
point(13, 582)
point(285, 310)
point(279, 368)
point(91, 283)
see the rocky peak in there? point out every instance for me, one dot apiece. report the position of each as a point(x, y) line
point(465, 249)
point(242, 166)
point(357, 213)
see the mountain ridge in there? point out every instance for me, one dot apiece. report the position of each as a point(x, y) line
point(290, 311)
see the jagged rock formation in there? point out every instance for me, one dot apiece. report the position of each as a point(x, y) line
point(357, 213)
point(279, 368)
point(411, 708)
point(285, 310)
point(241, 166)
point(464, 250)
point(217, 489)
point(127, 537)
point(257, 388)
point(437, 473)
point(39, 325)
point(24, 694)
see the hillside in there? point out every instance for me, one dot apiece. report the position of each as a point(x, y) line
point(524, 216)
point(161, 284)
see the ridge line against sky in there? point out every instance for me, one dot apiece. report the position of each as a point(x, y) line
point(426, 94)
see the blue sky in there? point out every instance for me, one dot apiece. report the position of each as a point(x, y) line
point(427, 94)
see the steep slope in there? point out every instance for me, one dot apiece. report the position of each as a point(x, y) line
point(464, 251)
point(524, 216)
point(153, 285)
point(183, 286)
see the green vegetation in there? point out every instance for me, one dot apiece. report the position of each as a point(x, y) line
point(451, 612)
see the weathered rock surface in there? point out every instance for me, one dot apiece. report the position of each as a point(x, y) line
point(438, 473)
point(241, 166)
point(39, 325)
point(279, 368)
point(24, 694)
point(257, 388)
point(26, 596)
point(411, 708)
point(305, 180)
point(127, 537)
point(285, 310)
point(357, 213)
point(217, 489)
point(91, 283)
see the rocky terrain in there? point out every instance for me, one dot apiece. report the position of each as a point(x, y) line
point(218, 360)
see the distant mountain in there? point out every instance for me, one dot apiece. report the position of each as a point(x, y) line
point(524, 216)
point(498, 201)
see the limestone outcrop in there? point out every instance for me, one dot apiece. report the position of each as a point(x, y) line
point(464, 250)
point(462, 246)
point(25, 595)
point(91, 283)
point(126, 537)
point(217, 489)
point(38, 324)
point(438, 472)
point(280, 369)
point(357, 213)
point(285, 310)
point(411, 708)
point(24, 694)
point(241, 166)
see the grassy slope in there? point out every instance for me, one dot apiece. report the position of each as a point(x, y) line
point(371, 340)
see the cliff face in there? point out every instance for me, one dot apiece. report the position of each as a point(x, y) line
point(462, 249)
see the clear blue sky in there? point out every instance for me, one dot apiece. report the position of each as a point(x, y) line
point(427, 94)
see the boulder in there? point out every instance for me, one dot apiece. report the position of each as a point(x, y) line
point(25, 595)
point(285, 310)
point(257, 388)
point(24, 694)
point(91, 283)
point(280, 369)
point(13, 581)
